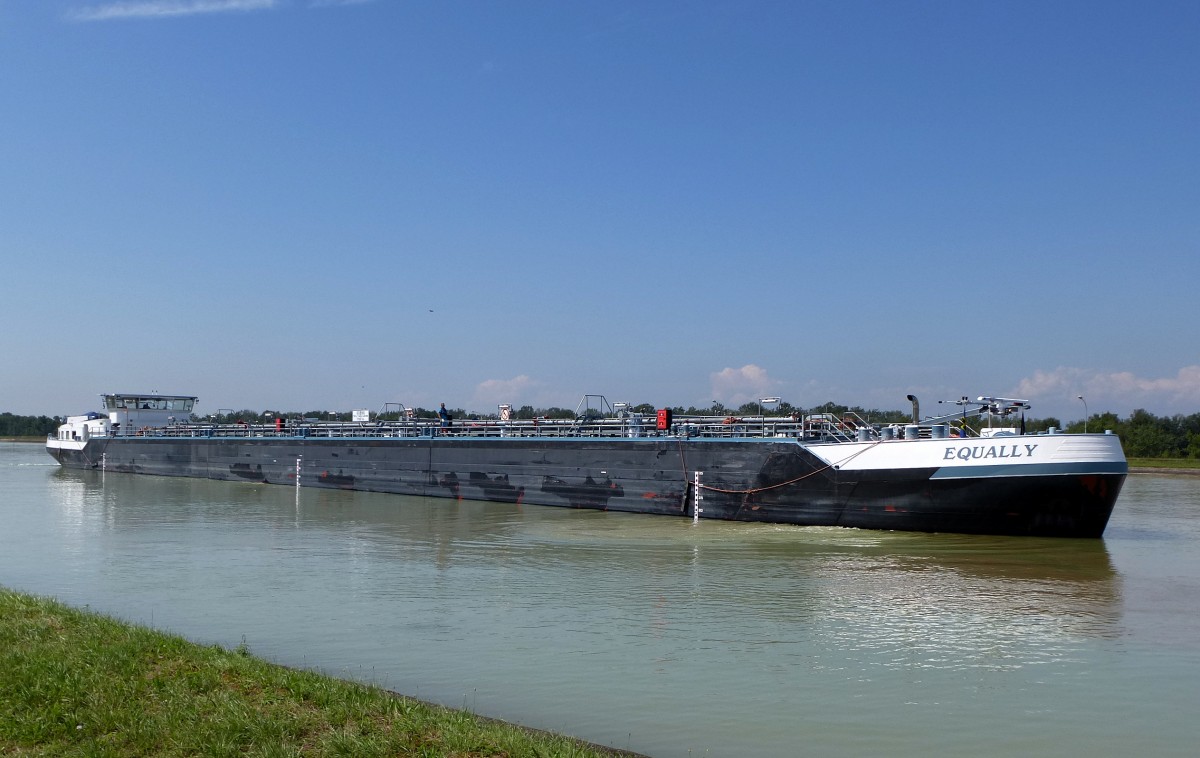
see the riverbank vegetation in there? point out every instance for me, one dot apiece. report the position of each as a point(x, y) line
point(1165, 464)
point(12, 426)
point(77, 683)
point(1143, 434)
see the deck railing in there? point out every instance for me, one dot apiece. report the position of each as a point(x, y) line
point(821, 427)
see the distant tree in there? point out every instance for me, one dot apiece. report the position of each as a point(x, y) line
point(1193, 445)
point(830, 407)
point(12, 425)
point(886, 417)
point(1033, 425)
point(1148, 436)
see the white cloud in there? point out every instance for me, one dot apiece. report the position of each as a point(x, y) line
point(1120, 392)
point(167, 8)
point(516, 391)
point(736, 386)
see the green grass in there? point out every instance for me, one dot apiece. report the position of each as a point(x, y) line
point(1192, 463)
point(78, 683)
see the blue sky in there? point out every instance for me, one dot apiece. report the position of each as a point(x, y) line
point(301, 205)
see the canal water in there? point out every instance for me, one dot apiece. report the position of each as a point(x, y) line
point(650, 633)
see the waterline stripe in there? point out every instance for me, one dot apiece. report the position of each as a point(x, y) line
point(1031, 469)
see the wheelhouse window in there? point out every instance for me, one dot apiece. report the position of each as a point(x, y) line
point(149, 403)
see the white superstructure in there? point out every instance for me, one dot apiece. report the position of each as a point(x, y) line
point(124, 413)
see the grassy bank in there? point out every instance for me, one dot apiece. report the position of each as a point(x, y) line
point(1165, 463)
point(77, 683)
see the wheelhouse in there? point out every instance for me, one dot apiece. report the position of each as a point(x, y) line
point(134, 411)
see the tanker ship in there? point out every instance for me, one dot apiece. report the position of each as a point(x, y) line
point(934, 474)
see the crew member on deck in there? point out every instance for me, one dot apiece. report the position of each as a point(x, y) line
point(444, 415)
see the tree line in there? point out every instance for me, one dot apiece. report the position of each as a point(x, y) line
point(27, 426)
point(1143, 434)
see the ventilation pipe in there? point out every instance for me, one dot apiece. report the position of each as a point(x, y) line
point(916, 409)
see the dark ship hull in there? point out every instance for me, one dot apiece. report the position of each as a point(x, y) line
point(1057, 485)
